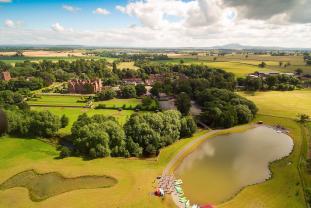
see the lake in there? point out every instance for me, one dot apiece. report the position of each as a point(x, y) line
point(221, 166)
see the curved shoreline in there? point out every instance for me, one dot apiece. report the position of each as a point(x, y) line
point(193, 144)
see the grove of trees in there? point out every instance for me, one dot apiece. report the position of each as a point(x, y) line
point(142, 135)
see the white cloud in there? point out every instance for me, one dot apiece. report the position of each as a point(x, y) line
point(5, 1)
point(70, 8)
point(180, 23)
point(101, 11)
point(9, 23)
point(12, 23)
point(57, 27)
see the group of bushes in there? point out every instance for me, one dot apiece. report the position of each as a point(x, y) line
point(143, 134)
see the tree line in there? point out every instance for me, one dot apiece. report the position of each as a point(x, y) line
point(280, 82)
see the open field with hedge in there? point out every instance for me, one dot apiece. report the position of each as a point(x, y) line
point(58, 100)
point(240, 69)
point(79, 101)
point(283, 104)
point(127, 65)
point(13, 60)
point(241, 65)
point(119, 103)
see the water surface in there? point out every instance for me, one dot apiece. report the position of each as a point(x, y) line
point(220, 167)
point(43, 186)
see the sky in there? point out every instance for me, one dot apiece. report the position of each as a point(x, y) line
point(156, 23)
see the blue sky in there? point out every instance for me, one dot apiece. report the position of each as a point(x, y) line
point(156, 23)
point(38, 14)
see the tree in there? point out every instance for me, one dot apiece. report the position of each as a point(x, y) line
point(152, 131)
point(271, 81)
point(181, 61)
point(140, 89)
point(64, 121)
point(64, 152)
point(188, 126)
point(128, 91)
point(299, 71)
point(183, 103)
point(114, 67)
point(303, 118)
point(99, 136)
point(244, 114)
point(262, 65)
point(106, 94)
point(156, 89)
point(44, 124)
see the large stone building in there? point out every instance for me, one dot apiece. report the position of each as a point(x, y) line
point(76, 86)
point(6, 76)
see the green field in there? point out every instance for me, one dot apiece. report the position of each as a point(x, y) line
point(241, 65)
point(57, 100)
point(18, 155)
point(73, 114)
point(239, 68)
point(283, 104)
point(118, 103)
point(13, 60)
point(127, 65)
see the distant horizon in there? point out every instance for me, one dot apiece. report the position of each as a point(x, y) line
point(156, 23)
point(219, 47)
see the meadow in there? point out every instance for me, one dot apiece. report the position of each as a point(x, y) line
point(283, 104)
point(127, 65)
point(13, 60)
point(241, 65)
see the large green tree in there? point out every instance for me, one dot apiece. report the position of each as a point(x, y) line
point(183, 103)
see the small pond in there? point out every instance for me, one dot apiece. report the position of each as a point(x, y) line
point(43, 186)
point(221, 166)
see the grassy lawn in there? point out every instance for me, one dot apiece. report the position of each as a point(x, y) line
point(18, 155)
point(118, 103)
point(238, 67)
point(73, 114)
point(58, 100)
point(283, 104)
point(127, 65)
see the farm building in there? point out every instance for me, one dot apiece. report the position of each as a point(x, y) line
point(76, 86)
point(6, 76)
